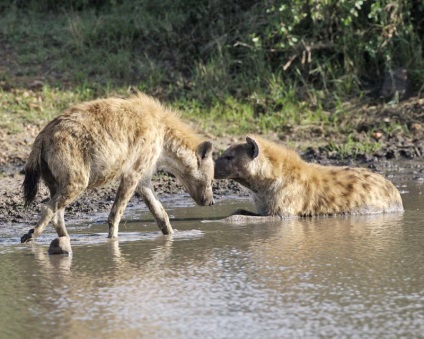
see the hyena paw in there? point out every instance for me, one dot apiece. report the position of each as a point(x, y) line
point(244, 212)
point(27, 237)
point(61, 245)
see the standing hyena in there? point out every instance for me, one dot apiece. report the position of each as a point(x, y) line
point(95, 142)
point(284, 185)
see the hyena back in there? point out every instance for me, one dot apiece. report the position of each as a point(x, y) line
point(93, 143)
point(285, 185)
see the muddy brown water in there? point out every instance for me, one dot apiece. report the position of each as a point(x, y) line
point(356, 276)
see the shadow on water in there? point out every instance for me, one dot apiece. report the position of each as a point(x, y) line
point(351, 276)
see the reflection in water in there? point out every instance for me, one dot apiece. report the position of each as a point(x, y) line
point(354, 276)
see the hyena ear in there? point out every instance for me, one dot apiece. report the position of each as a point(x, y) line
point(253, 147)
point(204, 150)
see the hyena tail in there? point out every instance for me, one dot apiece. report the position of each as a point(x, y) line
point(32, 174)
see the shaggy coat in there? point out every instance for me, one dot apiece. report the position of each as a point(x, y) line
point(94, 143)
point(285, 185)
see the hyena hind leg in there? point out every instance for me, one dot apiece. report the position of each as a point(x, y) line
point(60, 200)
point(58, 219)
point(59, 223)
point(62, 244)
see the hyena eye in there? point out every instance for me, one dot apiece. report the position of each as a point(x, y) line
point(229, 157)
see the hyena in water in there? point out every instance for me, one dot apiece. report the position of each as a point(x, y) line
point(284, 185)
point(93, 143)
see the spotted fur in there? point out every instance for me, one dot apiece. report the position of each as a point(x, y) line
point(284, 185)
point(96, 142)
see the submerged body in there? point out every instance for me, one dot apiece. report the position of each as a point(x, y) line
point(285, 185)
point(94, 143)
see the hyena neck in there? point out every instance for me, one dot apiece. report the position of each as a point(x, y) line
point(179, 152)
point(256, 185)
point(271, 175)
point(246, 183)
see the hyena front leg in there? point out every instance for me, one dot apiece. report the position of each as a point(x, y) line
point(146, 190)
point(125, 191)
point(245, 212)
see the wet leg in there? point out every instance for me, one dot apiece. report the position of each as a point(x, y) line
point(58, 219)
point(62, 244)
point(244, 216)
point(59, 223)
point(59, 201)
point(125, 191)
point(245, 212)
point(155, 207)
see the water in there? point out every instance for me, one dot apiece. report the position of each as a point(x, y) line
point(356, 277)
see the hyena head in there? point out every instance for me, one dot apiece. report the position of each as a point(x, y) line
point(234, 162)
point(199, 182)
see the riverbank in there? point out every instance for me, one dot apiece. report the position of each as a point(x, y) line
point(100, 200)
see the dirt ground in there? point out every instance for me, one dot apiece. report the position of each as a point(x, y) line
point(14, 150)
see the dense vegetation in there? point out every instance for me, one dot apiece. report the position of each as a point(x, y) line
point(264, 65)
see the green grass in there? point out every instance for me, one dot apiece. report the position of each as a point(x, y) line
point(353, 149)
point(21, 107)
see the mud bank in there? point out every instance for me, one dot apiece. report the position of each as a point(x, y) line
point(93, 201)
point(100, 200)
point(399, 151)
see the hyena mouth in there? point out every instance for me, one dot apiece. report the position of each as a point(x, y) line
point(206, 201)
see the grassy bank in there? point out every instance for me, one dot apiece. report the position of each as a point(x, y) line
point(295, 72)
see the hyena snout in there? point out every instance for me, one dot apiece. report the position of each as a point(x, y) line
point(206, 199)
point(209, 202)
point(201, 193)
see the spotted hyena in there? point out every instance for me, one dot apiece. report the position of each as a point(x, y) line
point(284, 185)
point(94, 143)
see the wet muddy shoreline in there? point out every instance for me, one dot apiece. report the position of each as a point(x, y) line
point(100, 200)
point(398, 151)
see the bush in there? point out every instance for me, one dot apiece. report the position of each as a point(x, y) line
point(329, 50)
